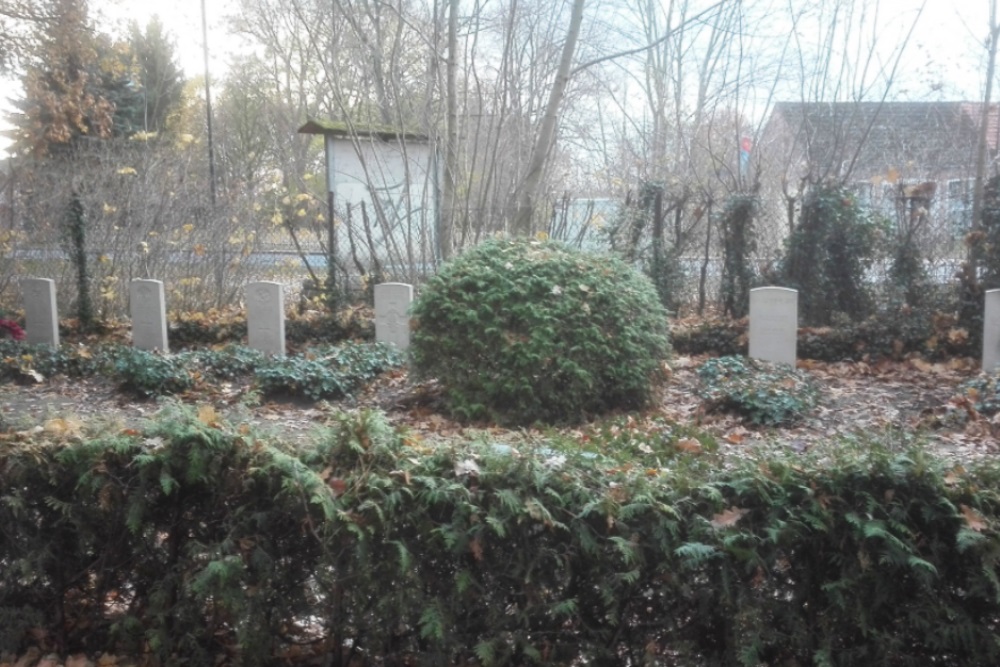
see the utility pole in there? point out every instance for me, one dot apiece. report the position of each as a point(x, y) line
point(208, 105)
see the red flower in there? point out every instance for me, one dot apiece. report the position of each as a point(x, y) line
point(13, 329)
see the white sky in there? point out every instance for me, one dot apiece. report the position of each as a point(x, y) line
point(945, 57)
point(182, 18)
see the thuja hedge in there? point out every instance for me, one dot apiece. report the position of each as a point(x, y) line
point(202, 543)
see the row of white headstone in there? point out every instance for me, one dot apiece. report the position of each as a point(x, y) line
point(265, 305)
point(774, 317)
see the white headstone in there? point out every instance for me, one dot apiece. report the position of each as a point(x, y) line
point(392, 319)
point(149, 315)
point(266, 317)
point(774, 322)
point(40, 317)
point(991, 331)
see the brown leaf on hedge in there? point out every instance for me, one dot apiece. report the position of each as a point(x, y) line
point(973, 518)
point(338, 486)
point(728, 518)
point(954, 476)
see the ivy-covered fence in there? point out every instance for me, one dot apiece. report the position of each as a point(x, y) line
point(199, 542)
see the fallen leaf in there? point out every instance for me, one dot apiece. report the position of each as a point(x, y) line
point(63, 428)
point(736, 436)
point(467, 467)
point(154, 443)
point(954, 476)
point(476, 547)
point(208, 416)
point(78, 660)
point(728, 518)
point(973, 518)
point(33, 375)
point(689, 446)
point(338, 486)
point(958, 336)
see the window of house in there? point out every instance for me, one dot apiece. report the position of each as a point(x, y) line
point(862, 191)
point(959, 206)
point(878, 199)
point(887, 202)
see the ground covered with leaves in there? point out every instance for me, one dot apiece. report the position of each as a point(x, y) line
point(913, 399)
point(710, 414)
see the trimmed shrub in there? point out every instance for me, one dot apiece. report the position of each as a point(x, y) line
point(763, 392)
point(528, 331)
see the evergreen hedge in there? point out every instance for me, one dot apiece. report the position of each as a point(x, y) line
point(194, 541)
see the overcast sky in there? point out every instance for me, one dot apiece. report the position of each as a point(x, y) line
point(945, 59)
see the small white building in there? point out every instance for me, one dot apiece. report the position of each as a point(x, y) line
point(395, 175)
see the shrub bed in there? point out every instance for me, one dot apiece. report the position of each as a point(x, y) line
point(762, 392)
point(194, 542)
point(322, 371)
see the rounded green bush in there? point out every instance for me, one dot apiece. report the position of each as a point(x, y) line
point(533, 331)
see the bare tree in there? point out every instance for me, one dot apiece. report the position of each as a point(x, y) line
point(528, 189)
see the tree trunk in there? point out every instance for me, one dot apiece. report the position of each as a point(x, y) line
point(446, 218)
point(977, 195)
point(527, 193)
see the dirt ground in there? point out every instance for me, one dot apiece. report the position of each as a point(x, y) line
point(908, 397)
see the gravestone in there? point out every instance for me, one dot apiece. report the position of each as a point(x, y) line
point(774, 321)
point(266, 317)
point(991, 331)
point(40, 317)
point(148, 306)
point(392, 319)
